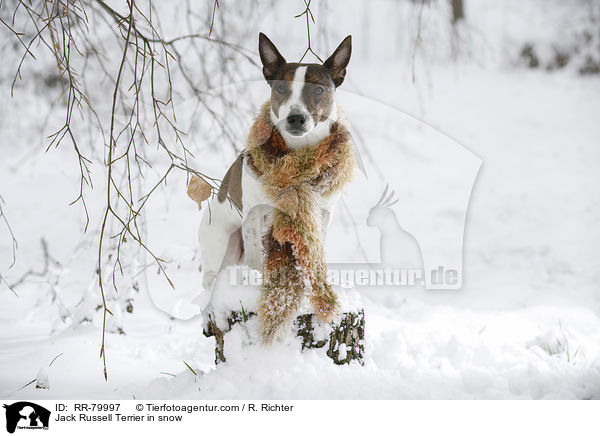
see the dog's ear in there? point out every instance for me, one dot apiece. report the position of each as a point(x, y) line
point(269, 56)
point(338, 61)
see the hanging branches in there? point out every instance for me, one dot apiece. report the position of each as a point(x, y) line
point(110, 181)
point(95, 42)
point(56, 24)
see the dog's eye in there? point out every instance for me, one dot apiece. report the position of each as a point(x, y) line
point(318, 90)
point(281, 89)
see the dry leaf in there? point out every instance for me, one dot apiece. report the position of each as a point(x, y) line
point(198, 190)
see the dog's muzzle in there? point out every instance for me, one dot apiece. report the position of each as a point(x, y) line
point(296, 123)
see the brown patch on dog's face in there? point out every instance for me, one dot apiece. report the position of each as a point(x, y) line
point(317, 93)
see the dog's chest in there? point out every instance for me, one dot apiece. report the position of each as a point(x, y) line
point(252, 191)
point(257, 212)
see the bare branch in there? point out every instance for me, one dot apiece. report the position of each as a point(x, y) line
point(309, 17)
point(418, 38)
point(14, 243)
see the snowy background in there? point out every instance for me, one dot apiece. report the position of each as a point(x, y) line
point(513, 90)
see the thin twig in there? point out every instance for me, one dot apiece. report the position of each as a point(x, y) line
point(212, 21)
point(418, 39)
point(34, 273)
point(14, 243)
point(111, 147)
point(309, 16)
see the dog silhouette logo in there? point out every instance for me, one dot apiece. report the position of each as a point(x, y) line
point(26, 415)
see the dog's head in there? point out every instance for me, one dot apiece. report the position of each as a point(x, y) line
point(302, 95)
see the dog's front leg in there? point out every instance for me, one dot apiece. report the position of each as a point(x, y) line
point(219, 244)
point(258, 221)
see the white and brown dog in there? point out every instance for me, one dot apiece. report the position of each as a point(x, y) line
point(302, 109)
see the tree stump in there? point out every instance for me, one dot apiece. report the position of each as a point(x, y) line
point(344, 336)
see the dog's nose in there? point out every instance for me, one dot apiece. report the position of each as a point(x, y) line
point(296, 120)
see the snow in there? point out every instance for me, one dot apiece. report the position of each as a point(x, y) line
point(524, 325)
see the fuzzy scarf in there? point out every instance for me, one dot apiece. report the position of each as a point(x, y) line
point(295, 180)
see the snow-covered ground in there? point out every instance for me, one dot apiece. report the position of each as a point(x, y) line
point(524, 325)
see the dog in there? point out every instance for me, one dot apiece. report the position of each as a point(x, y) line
point(302, 109)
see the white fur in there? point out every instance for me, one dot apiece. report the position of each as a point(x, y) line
point(294, 101)
point(220, 223)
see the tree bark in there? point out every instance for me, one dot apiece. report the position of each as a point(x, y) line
point(458, 11)
point(345, 339)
